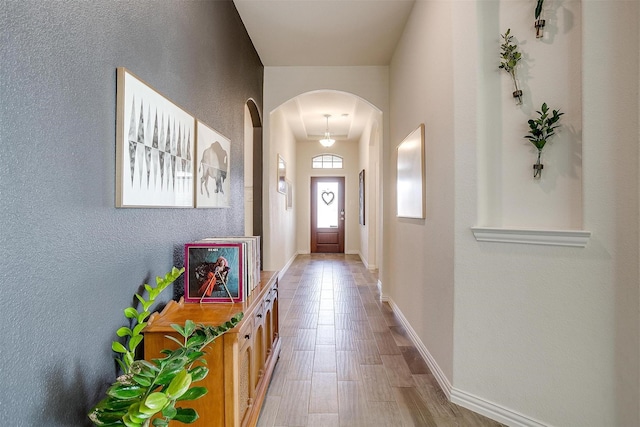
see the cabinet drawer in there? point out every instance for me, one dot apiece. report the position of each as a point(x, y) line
point(245, 333)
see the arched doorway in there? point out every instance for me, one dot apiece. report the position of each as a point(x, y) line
point(295, 128)
point(252, 170)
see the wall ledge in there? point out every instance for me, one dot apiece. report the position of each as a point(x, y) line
point(571, 238)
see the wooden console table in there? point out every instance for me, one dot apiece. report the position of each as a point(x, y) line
point(240, 362)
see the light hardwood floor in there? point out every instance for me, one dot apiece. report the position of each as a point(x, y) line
point(346, 360)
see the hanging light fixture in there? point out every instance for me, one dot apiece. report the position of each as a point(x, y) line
point(327, 141)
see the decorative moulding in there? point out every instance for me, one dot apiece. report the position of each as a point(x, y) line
point(455, 395)
point(572, 238)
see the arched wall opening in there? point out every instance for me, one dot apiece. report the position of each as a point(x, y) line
point(252, 170)
point(294, 129)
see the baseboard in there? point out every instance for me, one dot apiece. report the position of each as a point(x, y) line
point(493, 411)
point(455, 395)
point(366, 262)
point(442, 379)
point(287, 265)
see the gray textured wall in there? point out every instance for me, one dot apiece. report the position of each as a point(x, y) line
point(71, 261)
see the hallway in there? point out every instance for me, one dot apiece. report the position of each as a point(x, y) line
point(346, 360)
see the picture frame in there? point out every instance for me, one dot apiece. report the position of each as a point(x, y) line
point(154, 147)
point(282, 175)
point(213, 161)
point(361, 196)
point(214, 272)
point(410, 181)
point(289, 198)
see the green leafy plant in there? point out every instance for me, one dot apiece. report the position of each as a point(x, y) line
point(154, 387)
point(540, 130)
point(510, 58)
point(539, 24)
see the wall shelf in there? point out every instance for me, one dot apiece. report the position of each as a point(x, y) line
point(572, 238)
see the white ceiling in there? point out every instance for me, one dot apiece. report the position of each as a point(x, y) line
point(325, 33)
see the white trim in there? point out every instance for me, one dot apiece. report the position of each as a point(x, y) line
point(457, 396)
point(284, 269)
point(493, 411)
point(442, 379)
point(572, 238)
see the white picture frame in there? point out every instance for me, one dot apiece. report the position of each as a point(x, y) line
point(154, 147)
point(410, 182)
point(212, 168)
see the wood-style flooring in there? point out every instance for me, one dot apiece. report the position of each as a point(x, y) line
point(346, 360)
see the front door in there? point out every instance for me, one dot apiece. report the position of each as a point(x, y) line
point(327, 215)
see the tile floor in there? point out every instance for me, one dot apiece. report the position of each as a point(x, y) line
point(346, 360)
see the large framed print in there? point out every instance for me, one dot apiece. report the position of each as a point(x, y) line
point(411, 172)
point(213, 189)
point(154, 147)
point(214, 272)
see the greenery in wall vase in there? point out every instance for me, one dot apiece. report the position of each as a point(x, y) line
point(540, 130)
point(147, 388)
point(510, 58)
point(539, 23)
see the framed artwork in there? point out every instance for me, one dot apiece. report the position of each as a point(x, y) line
point(411, 172)
point(214, 272)
point(212, 168)
point(154, 147)
point(282, 175)
point(289, 201)
point(361, 196)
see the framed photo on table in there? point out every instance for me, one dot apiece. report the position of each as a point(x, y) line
point(214, 272)
point(154, 147)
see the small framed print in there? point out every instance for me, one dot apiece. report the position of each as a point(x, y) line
point(282, 175)
point(410, 181)
point(214, 272)
point(154, 147)
point(213, 189)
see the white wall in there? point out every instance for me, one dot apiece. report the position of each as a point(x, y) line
point(418, 265)
point(527, 334)
point(348, 150)
point(279, 245)
point(284, 83)
point(369, 161)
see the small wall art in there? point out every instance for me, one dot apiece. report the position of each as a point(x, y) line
point(213, 189)
point(411, 172)
point(289, 202)
point(154, 147)
point(361, 197)
point(282, 175)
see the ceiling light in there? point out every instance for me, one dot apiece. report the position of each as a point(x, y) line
point(327, 141)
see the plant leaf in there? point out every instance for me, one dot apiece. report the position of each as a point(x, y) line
point(118, 347)
point(186, 415)
point(124, 331)
point(130, 313)
point(193, 393)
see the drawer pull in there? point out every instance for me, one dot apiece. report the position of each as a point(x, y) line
point(246, 337)
point(268, 300)
point(259, 316)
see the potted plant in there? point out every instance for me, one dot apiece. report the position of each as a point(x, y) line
point(154, 388)
point(539, 23)
point(510, 58)
point(540, 130)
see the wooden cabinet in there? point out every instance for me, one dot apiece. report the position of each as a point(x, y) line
point(240, 362)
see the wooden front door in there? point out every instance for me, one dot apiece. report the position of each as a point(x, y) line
point(327, 215)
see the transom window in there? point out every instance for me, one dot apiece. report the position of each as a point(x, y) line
point(327, 161)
